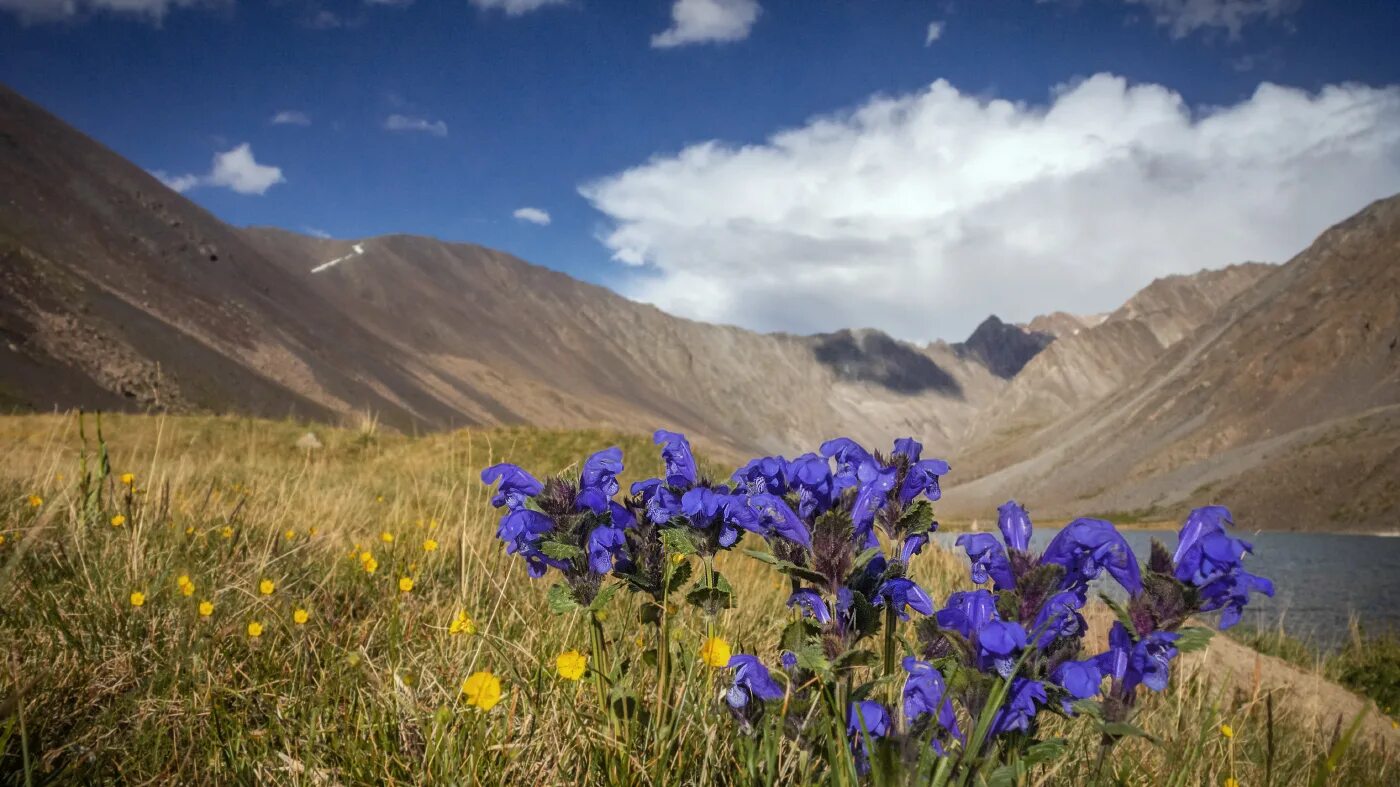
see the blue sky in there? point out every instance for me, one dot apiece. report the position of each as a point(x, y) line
point(570, 109)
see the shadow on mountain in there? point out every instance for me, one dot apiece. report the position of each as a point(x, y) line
point(873, 357)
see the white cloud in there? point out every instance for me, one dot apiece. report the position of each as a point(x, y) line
point(233, 169)
point(291, 117)
point(1184, 17)
point(316, 232)
point(532, 215)
point(32, 11)
point(935, 32)
point(180, 183)
point(922, 213)
point(405, 123)
point(700, 21)
point(515, 7)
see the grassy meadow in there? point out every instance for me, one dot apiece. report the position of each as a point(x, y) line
point(242, 610)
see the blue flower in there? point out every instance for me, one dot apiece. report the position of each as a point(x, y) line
point(922, 479)
point(866, 721)
point(1087, 547)
point(872, 495)
point(1145, 662)
point(988, 560)
point(1080, 678)
point(789, 660)
point(926, 694)
point(774, 517)
point(850, 458)
point(968, 611)
point(1058, 618)
point(1231, 593)
point(605, 543)
point(598, 482)
point(812, 604)
point(1211, 560)
point(1015, 525)
point(900, 594)
point(998, 643)
point(659, 504)
point(751, 679)
point(810, 476)
point(516, 485)
point(1020, 707)
point(675, 452)
point(522, 529)
point(913, 545)
point(765, 474)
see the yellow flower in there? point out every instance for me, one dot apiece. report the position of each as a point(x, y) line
point(715, 652)
point(370, 565)
point(185, 585)
point(118, 520)
point(379, 499)
point(226, 532)
point(137, 598)
point(189, 531)
point(312, 532)
point(290, 534)
point(254, 629)
point(1231, 781)
point(462, 624)
point(482, 689)
point(430, 546)
point(2, 539)
point(677, 559)
point(386, 537)
point(300, 617)
point(266, 587)
point(35, 501)
point(1227, 731)
point(206, 608)
point(405, 584)
point(571, 664)
point(128, 479)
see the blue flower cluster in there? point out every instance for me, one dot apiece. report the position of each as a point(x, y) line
point(844, 524)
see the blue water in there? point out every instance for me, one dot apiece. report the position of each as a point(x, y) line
point(1320, 579)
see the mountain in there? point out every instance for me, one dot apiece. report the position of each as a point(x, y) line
point(1004, 349)
point(1283, 403)
point(118, 292)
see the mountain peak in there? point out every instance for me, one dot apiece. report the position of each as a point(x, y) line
point(1002, 347)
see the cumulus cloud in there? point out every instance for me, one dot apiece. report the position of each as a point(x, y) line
point(234, 169)
point(406, 123)
point(701, 21)
point(35, 11)
point(291, 117)
point(920, 214)
point(935, 32)
point(532, 215)
point(515, 7)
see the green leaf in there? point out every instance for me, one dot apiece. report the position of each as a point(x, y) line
point(918, 518)
point(1122, 729)
point(560, 551)
point(1045, 751)
point(1005, 776)
point(679, 540)
point(679, 576)
point(1091, 708)
point(766, 557)
point(1193, 638)
point(562, 600)
point(1121, 613)
point(812, 659)
point(865, 557)
point(605, 595)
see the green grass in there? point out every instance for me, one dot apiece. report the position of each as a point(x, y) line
point(368, 691)
point(1367, 664)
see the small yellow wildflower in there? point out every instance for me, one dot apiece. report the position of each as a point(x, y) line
point(386, 537)
point(290, 534)
point(312, 532)
point(226, 532)
point(266, 587)
point(640, 642)
point(189, 531)
point(370, 565)
point(405, 584)
point(137, 598)
point(118, 520)
point(571, 664)
point(1227, 731)
point(462, 624)
point(300, 617)
point(254, 629)
point(206, 608)
point(35, 501)
point(2, 539)
point(128, 479)
point(677, 559)
point(430, 546)
point(482, 689)
point(185, 585)
point(715, 652)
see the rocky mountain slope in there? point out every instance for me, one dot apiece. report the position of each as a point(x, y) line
point(1284, 403)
